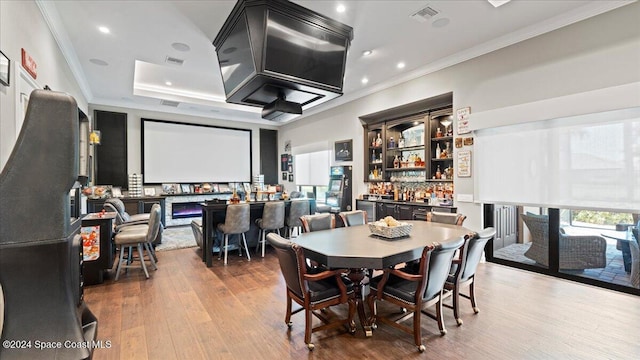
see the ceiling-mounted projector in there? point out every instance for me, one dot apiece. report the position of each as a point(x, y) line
point(279, 107)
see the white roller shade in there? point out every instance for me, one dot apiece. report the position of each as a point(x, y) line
point(312, 168)
point(588, 161)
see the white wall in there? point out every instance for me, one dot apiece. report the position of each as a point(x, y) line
point(134, 126)
point(22, 26)
point(596, 53)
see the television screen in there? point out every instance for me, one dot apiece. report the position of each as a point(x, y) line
point(304, 51)
point(335, 185)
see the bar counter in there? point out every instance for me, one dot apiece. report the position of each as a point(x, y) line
point(214, 213)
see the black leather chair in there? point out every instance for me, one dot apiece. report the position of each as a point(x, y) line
point(312, 291)
point(446, 218)
point(415, 292)
point(353, 218)
point(317, 222)
point(463, 270)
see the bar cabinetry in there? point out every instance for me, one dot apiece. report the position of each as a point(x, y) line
point(400, 210)
point(412, 148)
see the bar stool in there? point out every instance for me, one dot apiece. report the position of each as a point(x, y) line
point(236, 223)
point(298, 208)
point(272, 219)
point(140, 236)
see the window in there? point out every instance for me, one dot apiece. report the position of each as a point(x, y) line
point(312, 168)
point(318, 192)
point(595, 219)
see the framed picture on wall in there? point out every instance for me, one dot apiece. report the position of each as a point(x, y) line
point(344, 150)
point(149, 191)
point(185, 188)
point(285, 176)
point(290, 177)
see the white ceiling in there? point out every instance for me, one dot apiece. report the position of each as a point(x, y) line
point(142, 33)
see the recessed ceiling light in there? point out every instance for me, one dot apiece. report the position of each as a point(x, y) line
point(367, 52)
point(98, 62)
point(441, 22)
point(400, 65)
point(180, 46)
point(365, 80)
point(497, 3)
point(168, 83)
point(104, 29)
point(341, 8)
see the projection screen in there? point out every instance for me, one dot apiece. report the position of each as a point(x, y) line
point(190, 153)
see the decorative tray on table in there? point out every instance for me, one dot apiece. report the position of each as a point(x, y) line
point(390, 228)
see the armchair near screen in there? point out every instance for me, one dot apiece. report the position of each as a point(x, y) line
point(577, 252)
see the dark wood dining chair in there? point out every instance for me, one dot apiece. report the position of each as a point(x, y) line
point(415, 292)
point(463, 270)
point(313, 292)
point(317, 222)
point(446, 218)
point(353, 218)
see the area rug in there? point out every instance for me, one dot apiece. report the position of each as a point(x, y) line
point(177, 237)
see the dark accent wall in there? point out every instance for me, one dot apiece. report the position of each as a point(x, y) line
point(111, 154)
point(269, 156)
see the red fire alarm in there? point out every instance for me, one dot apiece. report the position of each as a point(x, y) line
point(29, 64)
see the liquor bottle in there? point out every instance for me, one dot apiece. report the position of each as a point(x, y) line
point(392, 143)
point(401, 142)
point(378, 140)
point(396, 162)
point(373, 156)
point(438, 151)
point(439, 133)
point(438, 173)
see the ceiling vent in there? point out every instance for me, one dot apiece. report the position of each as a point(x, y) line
point(425, 14)
point(174, 61)
point(169, 103)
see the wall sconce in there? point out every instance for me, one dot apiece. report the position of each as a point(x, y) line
point(94, 137)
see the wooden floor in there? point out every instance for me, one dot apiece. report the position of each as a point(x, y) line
point(187, 311)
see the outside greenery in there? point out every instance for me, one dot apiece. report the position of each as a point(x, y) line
point(601, 217)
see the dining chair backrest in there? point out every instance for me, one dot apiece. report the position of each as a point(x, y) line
point(237, 219)
point(317, 222)
point(272, 215)
point(298, 208)
point(354, 218)
point(292, 263)
point(473, 252)
point(435, 265)
point(446, 218)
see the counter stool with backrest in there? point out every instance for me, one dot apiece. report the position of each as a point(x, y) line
point(297, 209)
point(123, 219)
point(140, 236)
point(236, 222)
point(196, 228)
point(463, 270)
point(272, 219)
